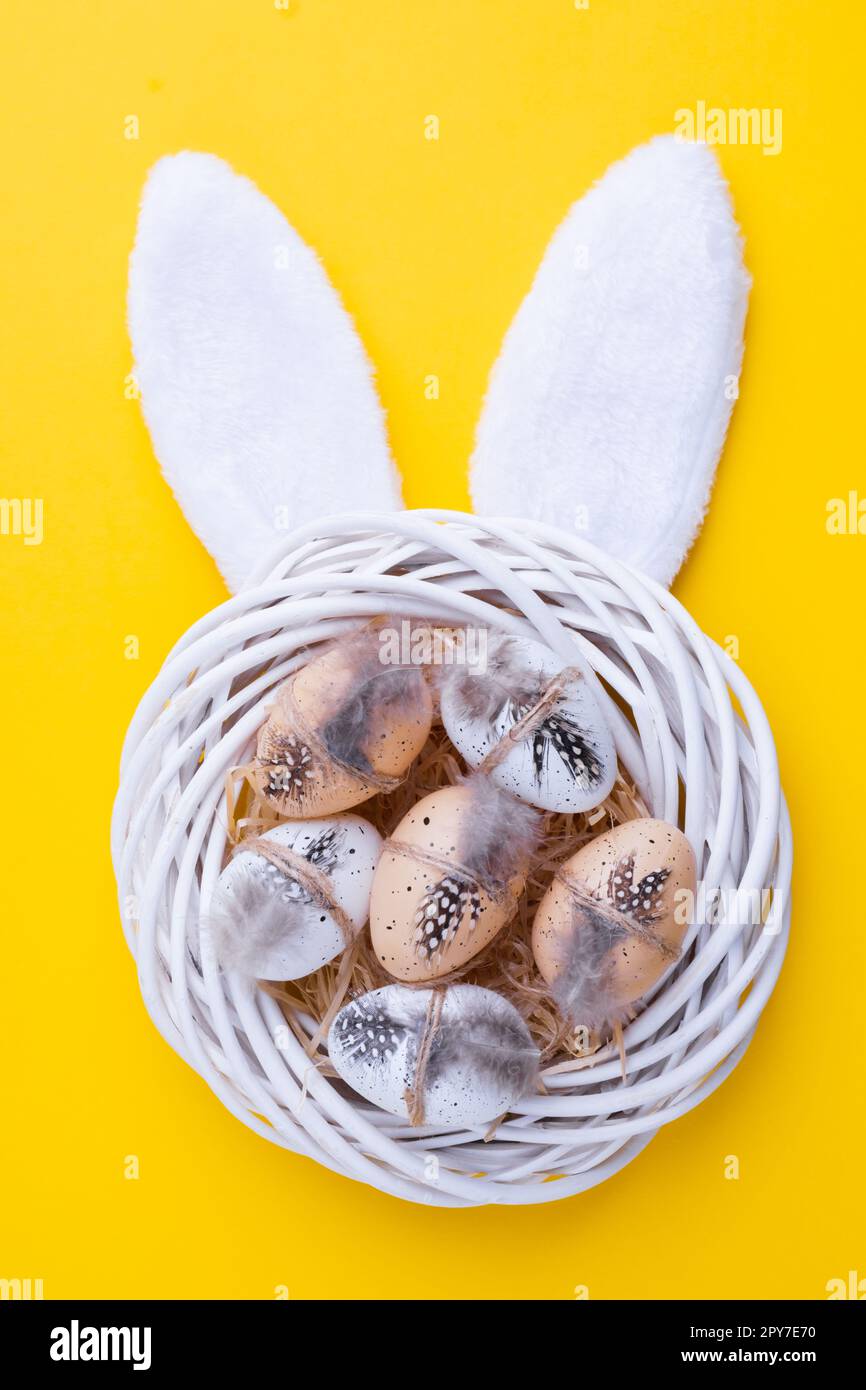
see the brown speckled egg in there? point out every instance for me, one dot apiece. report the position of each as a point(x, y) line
point(343, 728)
point(449, 878)
point(613, 920)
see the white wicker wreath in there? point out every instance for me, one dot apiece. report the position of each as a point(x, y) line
point(694, 758)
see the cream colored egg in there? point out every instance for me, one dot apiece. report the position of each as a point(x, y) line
point(455, 1057)
point(613, 920)
point(295, 898)
point(449, 878)
point(534, 723)
point(343, 728)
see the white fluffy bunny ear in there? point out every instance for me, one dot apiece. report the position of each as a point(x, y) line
point(255, 387)
point(608, 407)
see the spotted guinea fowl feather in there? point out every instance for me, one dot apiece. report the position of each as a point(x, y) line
point(441, 912)
point(563, 737)
point(641, 901)
point(367, 1031)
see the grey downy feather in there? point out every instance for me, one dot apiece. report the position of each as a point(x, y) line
point(374, 686)
point(500, 834)
point(487, 1041)
point(582, 988)
point(265, 908)
point(480, 696)
point(251, 919)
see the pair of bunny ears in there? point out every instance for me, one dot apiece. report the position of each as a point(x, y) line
point(606, 411)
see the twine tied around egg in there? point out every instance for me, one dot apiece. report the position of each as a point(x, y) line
point(414, 1094)
point(316, 884)
point(300, 730)
point(532, 720)
point(642, 931)
point(320, 889)
point(501, 893)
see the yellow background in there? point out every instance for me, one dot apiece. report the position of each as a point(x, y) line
point(432, 246)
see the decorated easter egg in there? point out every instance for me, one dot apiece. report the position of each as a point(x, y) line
point(342, 728)
point(536, 725)
point(453, 1057)
point(294, 898)
point(613, 920)
point(449, 878)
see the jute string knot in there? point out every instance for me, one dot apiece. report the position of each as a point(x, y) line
point(414, 1094)
point(316, 884)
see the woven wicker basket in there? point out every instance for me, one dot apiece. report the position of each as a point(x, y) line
point(694, 759)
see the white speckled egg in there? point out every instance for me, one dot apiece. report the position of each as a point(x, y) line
point(455, 1057)
point(613, 920)
point(449, 878)
point(342, 728)
point(567, 762)
point(267, 919)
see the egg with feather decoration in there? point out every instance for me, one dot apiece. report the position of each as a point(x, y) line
point(456, 1056)
point(344, 727)
point(613, 921)
point(292, 899)
point(449, 878)
point(535, 724)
